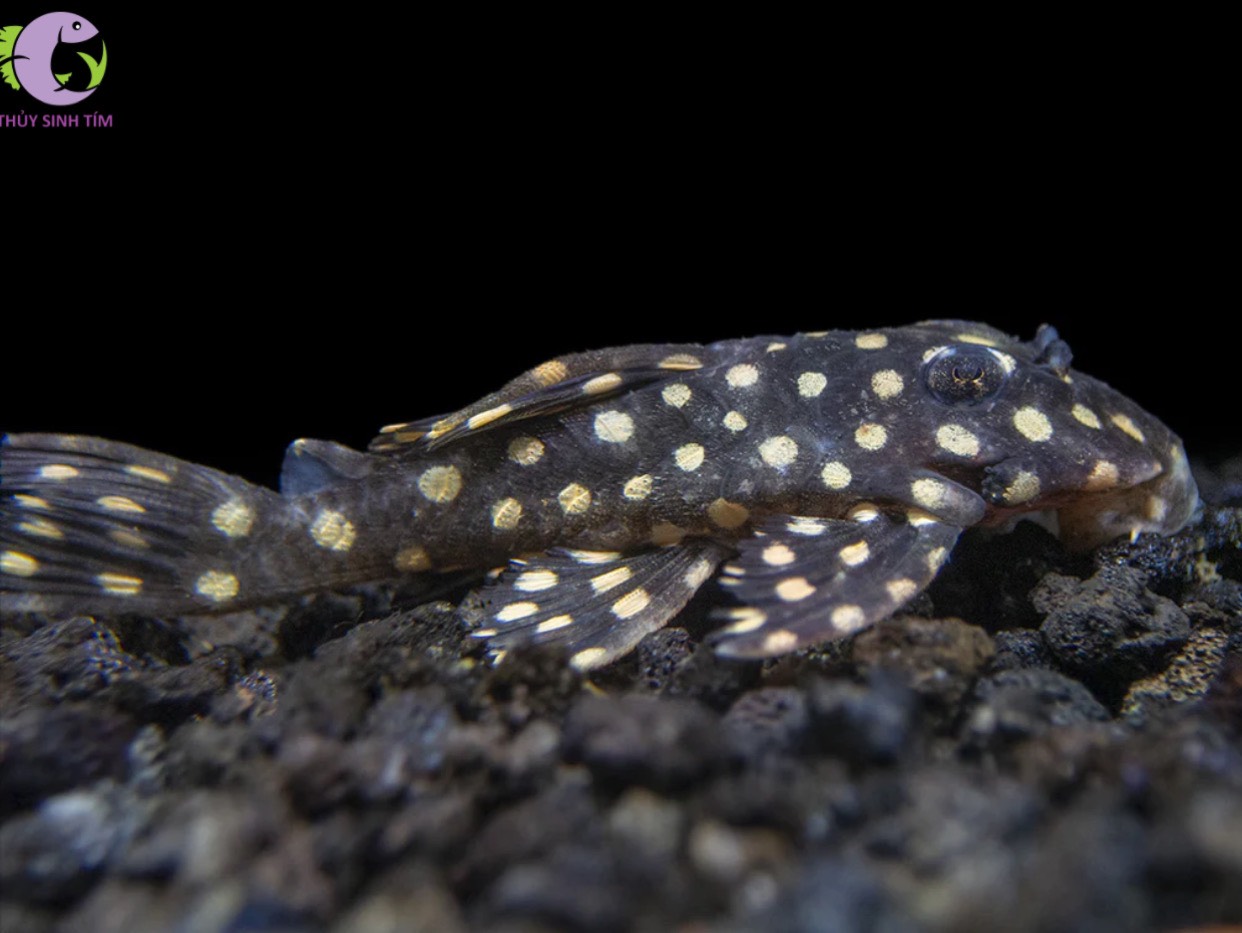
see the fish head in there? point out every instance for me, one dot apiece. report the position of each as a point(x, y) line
point(1014, 422)
point(72, 28)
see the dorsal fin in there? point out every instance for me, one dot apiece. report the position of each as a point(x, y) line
point(312, 465)
point(558, 385)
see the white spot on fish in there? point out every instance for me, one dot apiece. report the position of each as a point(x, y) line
point(614, 427)
point(807, 527)
point(515, 611)
point(854, 554)
point(779, 451)
point(689, 457)
point(574, 499)
point(333, 531)
point(957, 440)
point(779, 642)
point(871, 436)
point(506, 514)
point(810, 385)
point(554, 623)
point(440, 483)
point(18, 564)
point(637, 487)
point(1024, 488)
point(681, 361)
point(929, 493)
point(40, 528)
point(794, 589)
point(233, 519)
point(871, 341)
point(526, 451)
point(1103, 475)
point(778, 555)
point(487, 417)
point(631, 604)
point(848, 618)
point(601, 384)
point(217, 585)
point(588, 658)
point(118, 584)
point(120, 504)
point(550, 373)
point(901, 589)
point(887, 383)
point(748, 620)
point(698, 573)
point(57, 471)
point(1129, 427)
point(742, 376)
point(611, 579)
point(146, 472)
point(836, 475)
point(676, 395)
point(1032, 424)
point(412, 559)
point(535, 581)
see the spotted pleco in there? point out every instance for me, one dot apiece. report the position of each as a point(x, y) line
point(824, 478)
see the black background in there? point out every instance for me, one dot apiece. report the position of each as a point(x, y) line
point(314, 226)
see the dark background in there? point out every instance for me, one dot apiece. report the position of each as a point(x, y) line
point(314, 226)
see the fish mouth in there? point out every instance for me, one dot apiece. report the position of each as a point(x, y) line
point(1162, 503)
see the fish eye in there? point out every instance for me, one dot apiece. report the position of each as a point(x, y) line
point(964, 375)
point(77, 25)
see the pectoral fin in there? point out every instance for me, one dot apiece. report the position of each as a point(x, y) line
point(807, 580)
point(596, 604)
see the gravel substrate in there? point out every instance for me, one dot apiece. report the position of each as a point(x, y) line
point(1043, 743)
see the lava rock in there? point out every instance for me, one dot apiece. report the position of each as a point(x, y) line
point(871, 724)
point(659, 743)
point(1015, 705)
point(936, 658)
point(1109, 630)
point(1018, 649)
point(47, 751)
point(55, 853)
point(831, 893)
point(767, 720)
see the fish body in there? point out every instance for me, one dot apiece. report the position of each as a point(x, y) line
point(824, 478)
point(26, 57)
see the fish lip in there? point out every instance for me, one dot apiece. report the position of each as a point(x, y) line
point(1162, 503)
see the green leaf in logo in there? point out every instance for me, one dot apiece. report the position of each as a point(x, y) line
point(97, 67)
point(8, 38)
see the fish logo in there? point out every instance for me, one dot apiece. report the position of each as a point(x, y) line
point(30, 56)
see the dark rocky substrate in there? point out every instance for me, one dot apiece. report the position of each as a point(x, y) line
point(1043, 743)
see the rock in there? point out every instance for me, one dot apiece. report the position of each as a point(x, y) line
point(1016, 705)
point(1109, 630)
point(936, 658)
point(659, 743)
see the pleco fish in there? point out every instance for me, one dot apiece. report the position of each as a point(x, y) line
point(829, 473)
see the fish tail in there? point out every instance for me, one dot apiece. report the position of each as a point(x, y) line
point(94, 526)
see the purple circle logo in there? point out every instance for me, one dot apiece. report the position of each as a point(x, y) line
point(38, 58)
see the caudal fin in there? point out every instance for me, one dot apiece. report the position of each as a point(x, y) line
point(90, 525)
